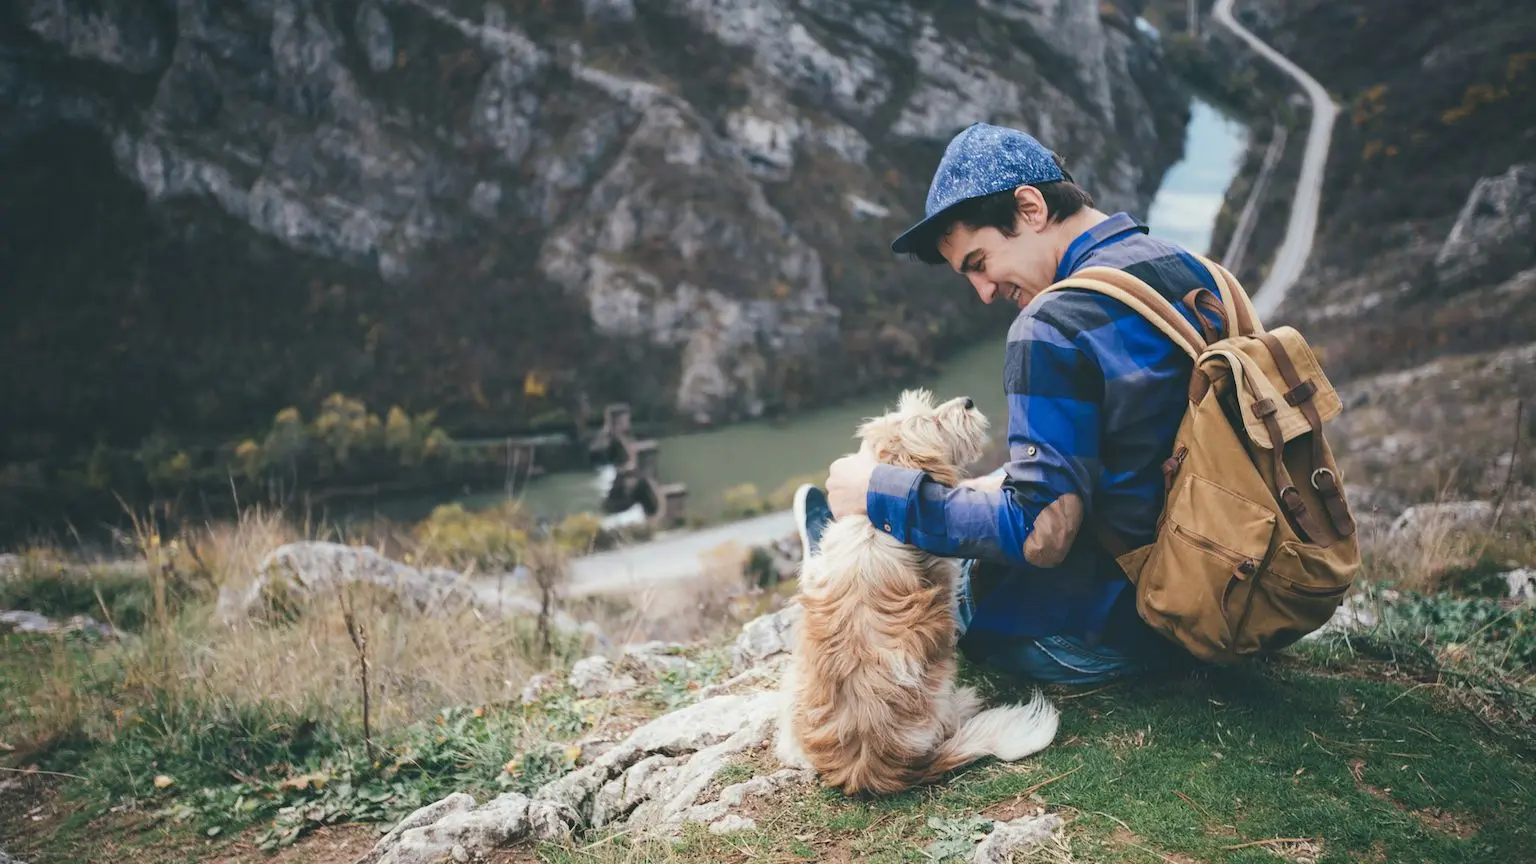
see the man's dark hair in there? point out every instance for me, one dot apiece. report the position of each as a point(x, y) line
point(1063, 199)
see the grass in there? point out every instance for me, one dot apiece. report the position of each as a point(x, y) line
point(195, 740)
point(1189, 769)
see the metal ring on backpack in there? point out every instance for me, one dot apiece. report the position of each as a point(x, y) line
point(1329, 472)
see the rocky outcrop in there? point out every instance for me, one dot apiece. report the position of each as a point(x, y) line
point(295, 571)
point(659, 778)
point(685, 203)
point(1493, 231)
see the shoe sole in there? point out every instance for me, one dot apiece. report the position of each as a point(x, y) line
point(805, 539)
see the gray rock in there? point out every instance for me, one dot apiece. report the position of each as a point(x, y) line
point(23, 621)
point(766, 639)
point(1522, 584)
point(649, 782)
point(1008, 839)
point(657, 658)
point(376, 37)
point(301, 569)
point(1497, 222)
point(731, 823)
point(494, 825)
point(118, 33)
point(609, 11)
point(458, 802)
point(536, 686)
point(1359, 611)
point(594, 676)
point(6, 859)
point(1425, 519)
point(298, 570)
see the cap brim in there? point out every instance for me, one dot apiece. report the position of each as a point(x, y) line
point(902, 245)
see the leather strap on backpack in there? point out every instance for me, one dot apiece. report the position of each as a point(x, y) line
point(1300, 394)
point(1239, 307)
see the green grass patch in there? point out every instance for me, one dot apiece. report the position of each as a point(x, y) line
point(1193, 769)
point(59, 592)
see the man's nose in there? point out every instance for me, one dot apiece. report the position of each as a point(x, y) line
point(985, 289)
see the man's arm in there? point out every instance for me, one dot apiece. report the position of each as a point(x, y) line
point(1054, 393)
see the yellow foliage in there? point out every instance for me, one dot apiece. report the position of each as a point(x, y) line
point(1476, 95)
point(534, 386)
point(1369, 105)
point(577, 533)
point(1517, 65)
point(488, 540)
point(742, 500)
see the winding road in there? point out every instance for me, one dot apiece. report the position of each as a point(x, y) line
point(1297, 246)
point(683, 555)
point(673, 557)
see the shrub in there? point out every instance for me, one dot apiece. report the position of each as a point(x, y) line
point(491, 541)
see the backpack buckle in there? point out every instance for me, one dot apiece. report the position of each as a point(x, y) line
point(1333, 479)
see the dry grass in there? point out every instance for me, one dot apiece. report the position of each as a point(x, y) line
point(1441, 544)
point(419, 664)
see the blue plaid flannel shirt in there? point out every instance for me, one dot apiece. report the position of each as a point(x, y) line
point(1095, 395)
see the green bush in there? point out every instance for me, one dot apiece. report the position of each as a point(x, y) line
point(493, 540)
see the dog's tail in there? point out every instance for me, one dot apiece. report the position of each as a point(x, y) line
point(1009, 733)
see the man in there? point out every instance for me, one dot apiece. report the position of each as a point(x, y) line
point(1095, 395)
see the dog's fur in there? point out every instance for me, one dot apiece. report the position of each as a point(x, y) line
point(870, 702)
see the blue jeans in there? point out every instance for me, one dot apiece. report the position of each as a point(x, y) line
point(1054, 659)
point(1058, 659)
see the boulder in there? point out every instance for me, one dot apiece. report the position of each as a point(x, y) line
point(298, 570)
point(766, 640)
point(653, 781)
point(594, 676)
point(1494, 228)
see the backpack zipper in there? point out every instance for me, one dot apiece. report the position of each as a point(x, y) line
point(1242, 566)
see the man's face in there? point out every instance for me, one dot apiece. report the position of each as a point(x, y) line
point(1013, 269)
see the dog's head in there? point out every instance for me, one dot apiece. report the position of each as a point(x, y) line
point(940, 440)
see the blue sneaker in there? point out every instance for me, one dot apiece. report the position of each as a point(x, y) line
point(812, 515)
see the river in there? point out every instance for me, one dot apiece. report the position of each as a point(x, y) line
point(768, 453)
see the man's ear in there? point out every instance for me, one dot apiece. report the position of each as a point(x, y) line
point(1033, 214)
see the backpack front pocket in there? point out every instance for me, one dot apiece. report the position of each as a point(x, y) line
point(1212, 541)
point(1297, 593)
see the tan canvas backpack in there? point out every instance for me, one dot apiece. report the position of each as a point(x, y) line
point(1255, 545)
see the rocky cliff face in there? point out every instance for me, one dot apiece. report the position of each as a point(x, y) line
point(508, 210)
point(1421, 291)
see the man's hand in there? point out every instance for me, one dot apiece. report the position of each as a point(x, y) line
point(848, 483)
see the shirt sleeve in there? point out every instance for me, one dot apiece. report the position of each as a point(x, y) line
point(1054, 389)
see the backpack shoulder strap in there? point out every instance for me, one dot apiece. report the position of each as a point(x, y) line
point(1239, 307)
point(1142, 299)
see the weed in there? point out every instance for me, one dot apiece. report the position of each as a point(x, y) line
point(957, 838)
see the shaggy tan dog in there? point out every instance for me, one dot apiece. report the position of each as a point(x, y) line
point(870, 701)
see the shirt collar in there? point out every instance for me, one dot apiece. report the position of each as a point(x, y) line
point(1114, 228)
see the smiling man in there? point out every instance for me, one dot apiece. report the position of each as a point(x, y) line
point(1095, 394)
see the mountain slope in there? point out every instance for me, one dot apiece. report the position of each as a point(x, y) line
point(508, 211)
